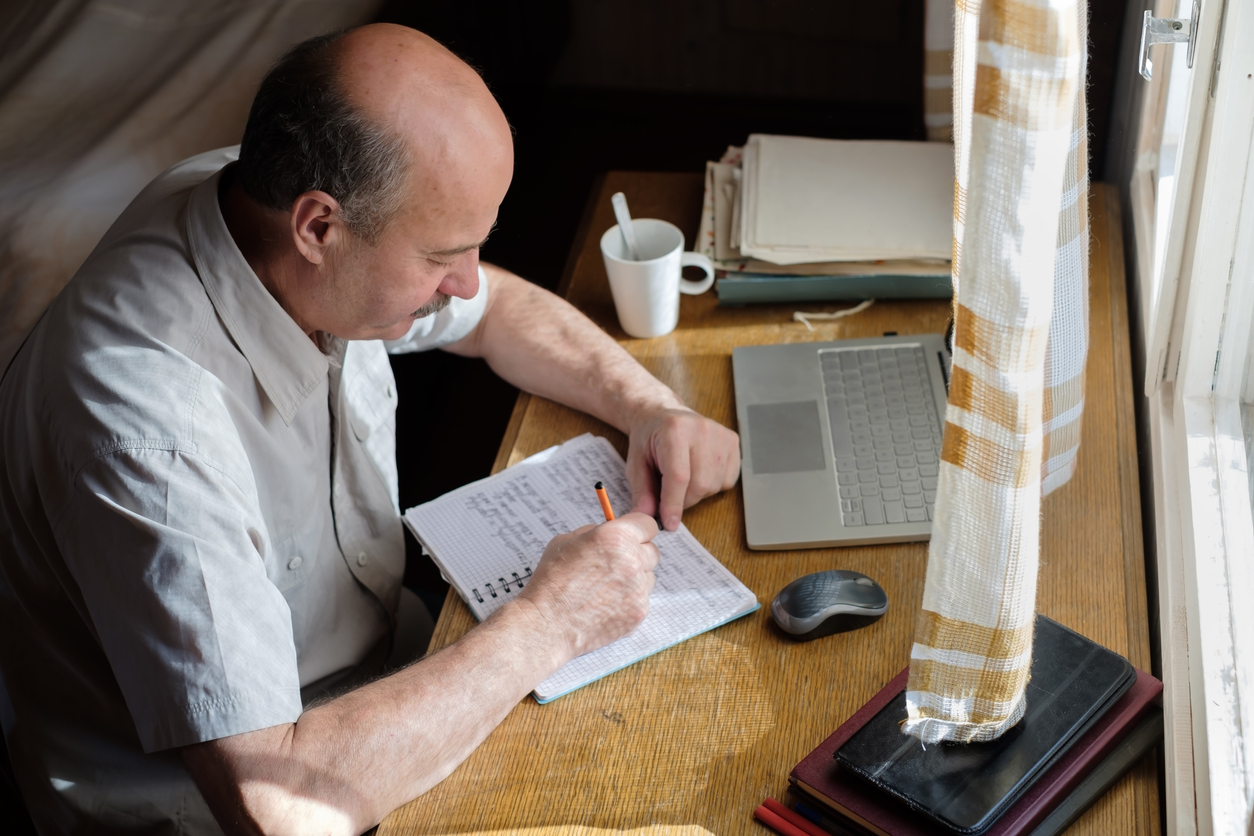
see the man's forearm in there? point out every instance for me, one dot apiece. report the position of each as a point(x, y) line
point(344, 765)
point(543, 345)
point(347, 763)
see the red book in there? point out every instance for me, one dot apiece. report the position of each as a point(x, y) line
point(819, 777)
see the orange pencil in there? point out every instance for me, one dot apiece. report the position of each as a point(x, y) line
point(605, 501)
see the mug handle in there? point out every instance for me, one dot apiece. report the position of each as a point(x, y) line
point(688, 285)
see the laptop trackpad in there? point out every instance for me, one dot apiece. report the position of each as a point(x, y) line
point(786, 437)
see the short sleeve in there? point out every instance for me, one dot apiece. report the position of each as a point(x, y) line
point(166, 550)
point(453, 323)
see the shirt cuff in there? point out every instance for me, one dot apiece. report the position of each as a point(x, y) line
point(220, 717)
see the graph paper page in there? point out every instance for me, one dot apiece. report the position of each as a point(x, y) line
point(487, 538)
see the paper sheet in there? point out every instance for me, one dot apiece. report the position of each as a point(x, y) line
point(487, 539)
point(806, 200)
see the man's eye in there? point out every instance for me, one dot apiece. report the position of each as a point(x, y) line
point(441, 263)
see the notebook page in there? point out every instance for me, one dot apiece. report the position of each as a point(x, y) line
point(488, 537)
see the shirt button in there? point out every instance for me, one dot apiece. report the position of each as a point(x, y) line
point(361, 558)
point(295, 562)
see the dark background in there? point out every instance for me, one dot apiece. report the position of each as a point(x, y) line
point(657, 85)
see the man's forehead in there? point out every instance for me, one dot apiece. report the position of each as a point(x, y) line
point(446, 236)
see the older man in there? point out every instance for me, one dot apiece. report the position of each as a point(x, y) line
point(198, 513)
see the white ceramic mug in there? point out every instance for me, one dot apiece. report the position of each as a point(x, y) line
point(646, 292)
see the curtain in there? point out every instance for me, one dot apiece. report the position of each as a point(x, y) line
point(1020, 343)
point(97, 97)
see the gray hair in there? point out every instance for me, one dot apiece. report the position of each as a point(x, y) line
point(303, 134)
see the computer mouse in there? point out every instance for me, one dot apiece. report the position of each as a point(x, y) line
point(828, 602)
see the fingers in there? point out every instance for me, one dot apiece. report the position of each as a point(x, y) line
point(690, 456)
point(732, 473)
point(643, 482)
point(729, 463)
point(650, 581)
point(676, 474)
point(709, 467)
point(638, 531)
point(651, 558)
point(643, 525)
point(713, 466)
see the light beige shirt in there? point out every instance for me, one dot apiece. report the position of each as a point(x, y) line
point(198, 512)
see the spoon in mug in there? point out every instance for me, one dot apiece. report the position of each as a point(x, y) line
point(619, 200)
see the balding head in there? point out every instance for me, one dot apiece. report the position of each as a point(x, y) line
point(378, 135)
point(368, 116)
point(458, 141)
point(408, 81)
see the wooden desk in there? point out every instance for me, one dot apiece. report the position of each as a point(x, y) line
point(693, 739)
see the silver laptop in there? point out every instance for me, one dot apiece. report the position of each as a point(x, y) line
point(841, 440)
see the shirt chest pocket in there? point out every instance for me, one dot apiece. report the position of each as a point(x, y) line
point(371, 413)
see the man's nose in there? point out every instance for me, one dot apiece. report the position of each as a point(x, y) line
point(463, 279)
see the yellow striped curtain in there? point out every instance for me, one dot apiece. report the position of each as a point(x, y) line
point(1020, 343)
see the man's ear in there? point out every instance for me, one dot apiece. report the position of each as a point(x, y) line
point(316, 225)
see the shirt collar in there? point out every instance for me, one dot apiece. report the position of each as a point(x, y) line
point(285, 361)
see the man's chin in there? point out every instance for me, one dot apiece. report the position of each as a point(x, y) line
point(393, 332)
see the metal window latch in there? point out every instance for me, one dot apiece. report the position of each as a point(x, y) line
point(1165, 30)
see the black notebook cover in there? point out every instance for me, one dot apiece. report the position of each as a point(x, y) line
point(964, 787)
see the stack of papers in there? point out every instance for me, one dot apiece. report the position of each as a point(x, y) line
point(794, 218)
point(812, 200)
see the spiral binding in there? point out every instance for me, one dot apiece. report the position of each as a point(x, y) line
point(517, 582)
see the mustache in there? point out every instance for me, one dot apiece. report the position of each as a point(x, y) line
point(438, 303)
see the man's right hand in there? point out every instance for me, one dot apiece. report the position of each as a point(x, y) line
point(592, 585)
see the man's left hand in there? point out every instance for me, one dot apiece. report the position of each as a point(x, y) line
point(676, 458)
point(541, 344)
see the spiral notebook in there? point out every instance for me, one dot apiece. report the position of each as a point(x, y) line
point(487, 539)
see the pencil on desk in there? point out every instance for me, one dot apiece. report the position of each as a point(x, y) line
point(779, 824)
point(796, 819)
point(605, 501)
point(824, 821)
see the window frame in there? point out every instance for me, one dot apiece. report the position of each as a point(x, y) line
point(1197, 362)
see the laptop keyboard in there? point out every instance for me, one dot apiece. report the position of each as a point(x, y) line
point(886, 435)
